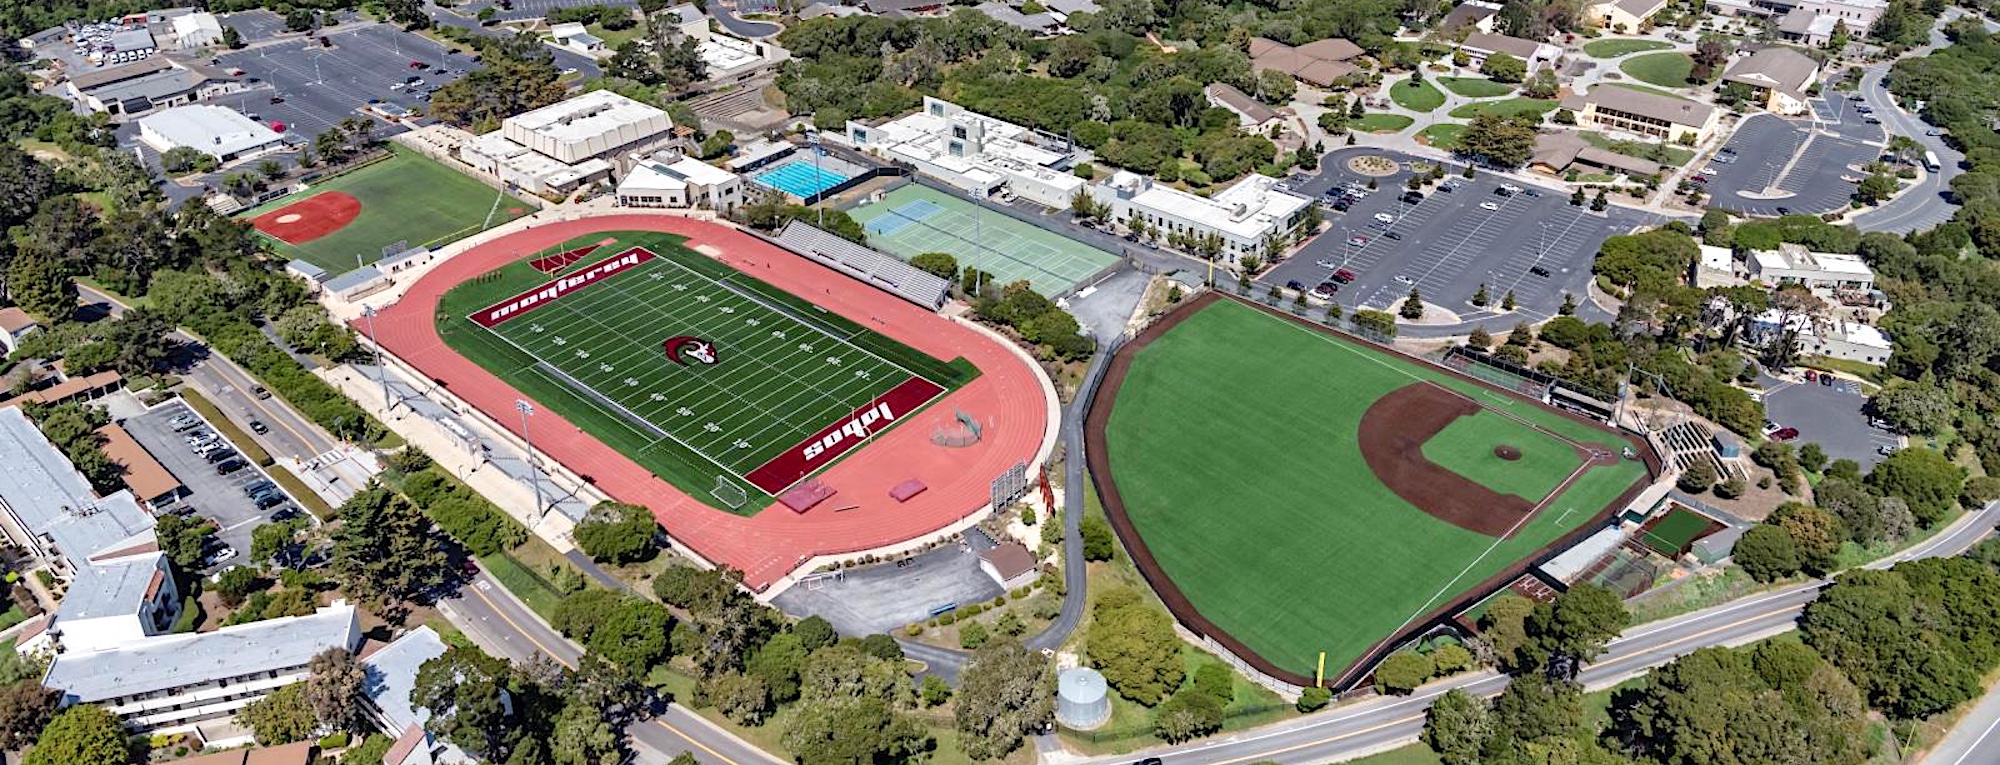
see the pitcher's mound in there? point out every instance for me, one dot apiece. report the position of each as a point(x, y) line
point(1506, 452)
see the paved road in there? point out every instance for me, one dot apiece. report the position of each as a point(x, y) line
point(564, 59)
point(739, 26)
point(1928, 204)
point(1976, 740)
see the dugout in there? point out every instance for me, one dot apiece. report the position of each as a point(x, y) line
point(1562, 396)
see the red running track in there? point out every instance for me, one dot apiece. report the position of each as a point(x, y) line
point(1008, 397)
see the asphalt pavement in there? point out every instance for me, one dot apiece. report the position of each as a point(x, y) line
point(1828, 415)
point(210, 495)
point(1928, 202)
point(1785, 166)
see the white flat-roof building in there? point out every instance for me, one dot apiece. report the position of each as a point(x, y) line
point(1839, 339)
point(723, 57)
point(971, 151)
point(218, 131)
point(672, 180)
point(1247, 216)
point(392, 677)
point(172, 683)
point(559, 147)
point(193, 31)
point(1794, 264)
point(572, 36)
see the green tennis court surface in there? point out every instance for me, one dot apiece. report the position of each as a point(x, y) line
point(405, 198)
point(1234, 439)
point(914, 219)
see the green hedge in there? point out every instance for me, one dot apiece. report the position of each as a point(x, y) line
point(462, 512)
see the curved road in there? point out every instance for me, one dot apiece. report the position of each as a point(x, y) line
point(740, 26)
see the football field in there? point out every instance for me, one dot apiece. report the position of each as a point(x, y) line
point(1248, 453)
point(688, 361)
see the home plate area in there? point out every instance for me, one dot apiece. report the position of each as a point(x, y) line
point(767, 395)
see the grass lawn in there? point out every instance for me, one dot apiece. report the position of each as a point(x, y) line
point(1416, 96)
point(1131, 724)
point(407, 197)
point(1443, 135)
point(613, 39)
point(307, 498)
point(1667, 69)
point(1475, 87)
point(1668, 154)
point(1466, 447)
point(681, 464)
point(1381, 122)
point(526, 584)
point(1613, 48)
point(1506, 108)
point(1301, 550)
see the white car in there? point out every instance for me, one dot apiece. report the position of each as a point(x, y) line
point(1489, 206)
point(1510, 187)
point(1385, 217)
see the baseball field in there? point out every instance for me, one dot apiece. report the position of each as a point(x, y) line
point(688, 367)
point(1305, 493)
point(407, 197)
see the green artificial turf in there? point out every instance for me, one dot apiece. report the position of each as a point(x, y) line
point(407, 197)
point(1466, 447)
point(1233, 444)
point(1667, 69)
point(692, 457)
point(1381, 122)
point(1475, 87)
point(1506, 107)
point(1673, 532)
point(1416, 96)
point(1613, 48)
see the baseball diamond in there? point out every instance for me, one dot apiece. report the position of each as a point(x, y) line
point(1396, 507)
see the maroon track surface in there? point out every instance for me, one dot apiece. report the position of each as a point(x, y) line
point(1007, 396)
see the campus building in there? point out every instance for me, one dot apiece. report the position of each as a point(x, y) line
point(983, 156)
point(1477, 15)
point(1779, 76)
point(1039, 23)
point(723, 58)
point(1320, 63)
point(560, 147)
point(1479, 45)
point(197, 30)
point(1623, 15)
point(1814, 22)
point(218, 131)
point(392, 677)
point(1838, 339)
point(15, 326)
point(571, 36)
point(1794, 264)
point(669, 179)
point(140, 86)
point(1252, 115)
point(1651, 115)
point(1249, 217)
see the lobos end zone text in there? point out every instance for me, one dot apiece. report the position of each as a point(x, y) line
point(840, 437)
point(498, 313)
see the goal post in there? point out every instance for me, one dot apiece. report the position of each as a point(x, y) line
point(728, 493)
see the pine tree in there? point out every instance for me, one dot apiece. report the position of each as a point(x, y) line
point(1576, 198)
point(1480, 298)
point(1413, 307)
point(1507, 303)
point(1568, 307)
point(1333, 314)
point(1480, 339)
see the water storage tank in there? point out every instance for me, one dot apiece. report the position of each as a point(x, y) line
point(1080, 700)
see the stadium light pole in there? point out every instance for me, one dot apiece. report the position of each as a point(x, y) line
point(812, 139)
point(534, 479)
point(381, 372)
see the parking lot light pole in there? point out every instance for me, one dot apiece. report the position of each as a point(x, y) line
point(534, 479)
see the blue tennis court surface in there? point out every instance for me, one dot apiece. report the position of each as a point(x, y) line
point(799, 178)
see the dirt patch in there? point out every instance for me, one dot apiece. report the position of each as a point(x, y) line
point(1392, 435)
point(310, 218)
point(1372, 165)
point(1507, 453)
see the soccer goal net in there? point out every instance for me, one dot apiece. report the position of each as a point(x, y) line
point(729, 493)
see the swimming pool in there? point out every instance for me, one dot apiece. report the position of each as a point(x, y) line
point(799, 178)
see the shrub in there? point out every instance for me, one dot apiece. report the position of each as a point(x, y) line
point(334, 741)
point(1314, 699)
point(972, 635)
point(1403, 672)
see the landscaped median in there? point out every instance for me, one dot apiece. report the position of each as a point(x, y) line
point(1381, 122)
point(243, 442)
point(1475, 87)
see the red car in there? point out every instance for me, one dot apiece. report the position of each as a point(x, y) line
point(416, 65)
point(1784, 434)
point(1812, 376)
point(1343, 276)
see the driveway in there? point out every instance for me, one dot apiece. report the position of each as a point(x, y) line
point(1828, 415)
point(884, 597)
point(212, 496)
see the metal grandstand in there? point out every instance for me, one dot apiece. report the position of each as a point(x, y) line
point(886, 272)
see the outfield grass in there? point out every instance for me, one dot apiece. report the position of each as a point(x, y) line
point(1667, 69)
point(407, 197)
point(1416, 96)
point(1613, 48)
point(1466, 447)
point(1475, 87)
point(1506, 107)
point(1443, 135)
point(1381, 122)
point(1233, 440)
point(679, 465)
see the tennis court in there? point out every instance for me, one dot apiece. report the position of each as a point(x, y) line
point(915, 219)
point(800, 178)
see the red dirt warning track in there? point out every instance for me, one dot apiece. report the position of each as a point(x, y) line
point(309, 218)
point(772, 543)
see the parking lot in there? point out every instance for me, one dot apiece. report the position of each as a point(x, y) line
point(1828, 415)
point(213, 496)
point(1765, 180)
point(886, 596)
point(253, 25)
point(320, 86)
point(525, 10)
point(1449, 244)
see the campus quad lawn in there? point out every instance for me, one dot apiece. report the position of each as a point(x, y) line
point(1443, 135)
point(1668, 69)
point(1466, 446)
point(1416, 96)
point(1677, 156)
point(1381, 122)
point(1475, 87)
point(692, 471)
point(1233, 444)
point(407, 197)
point(1506, 108)
point(1614, 48)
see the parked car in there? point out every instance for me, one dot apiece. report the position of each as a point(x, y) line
point(1886, 449)
point(184, 422)
point(1396, 235)
point(1324, 290)
point(269, 500)
point(1385, 217)
point(1295, 285)
point(259, 487)
point(220, 455)
point(1539, 271)
point(1357, 240)
point(1343, 276)
point(1489, 206)
point(230, 466)
point(1785, 434)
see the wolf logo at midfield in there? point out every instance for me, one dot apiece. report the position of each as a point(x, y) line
point(684, 347)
